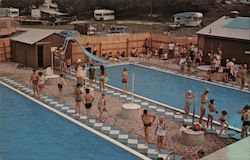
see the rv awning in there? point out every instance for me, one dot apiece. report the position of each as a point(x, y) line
point(188, 14)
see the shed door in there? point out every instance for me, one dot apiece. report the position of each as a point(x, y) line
point(40, 56)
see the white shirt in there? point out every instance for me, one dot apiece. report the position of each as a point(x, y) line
point(171, 46)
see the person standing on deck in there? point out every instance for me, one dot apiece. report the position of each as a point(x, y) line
point(171, 46)
point(243, 76)
point(78, 98)
point(212, 111)
point(224, 123)
point(102, 77)
point(88, 100)
point(204, 101)
point(245, 116)
point(91, 74)
point(34, 82)
point(60, 83)
point(41, 83)
point(102, 106)
point(160, 133)
point(189, 98)
point(148, 120)
point(125, 79)
point(79, 72)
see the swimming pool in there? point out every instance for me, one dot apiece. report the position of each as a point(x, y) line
point(29, 131)
point(168, 89)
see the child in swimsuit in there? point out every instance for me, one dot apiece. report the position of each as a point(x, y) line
point(102, 106)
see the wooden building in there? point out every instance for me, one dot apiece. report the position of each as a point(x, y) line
point(7, 26)
point(33, 48)
point(231, 35)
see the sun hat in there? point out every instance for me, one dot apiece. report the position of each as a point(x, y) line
point(189, 91)
point(207, 90)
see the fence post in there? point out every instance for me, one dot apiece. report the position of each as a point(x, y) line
point(127, 48)
point(100, 47)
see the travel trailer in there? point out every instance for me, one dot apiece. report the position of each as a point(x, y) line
point(189, 19)
point(104, 14)
point(9, 12)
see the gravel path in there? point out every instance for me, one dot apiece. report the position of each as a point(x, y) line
point(172, 138)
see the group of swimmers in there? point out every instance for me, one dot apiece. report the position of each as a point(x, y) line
point(245, 112)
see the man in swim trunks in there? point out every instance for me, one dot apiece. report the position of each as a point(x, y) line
point(78, 98)
point(88, 101)
point(125, 79)
point(148, 120)
point(34, 82)
point(212, 111)
point(245, 116)
point(204, 101)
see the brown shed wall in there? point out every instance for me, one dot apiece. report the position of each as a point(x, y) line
point(27, 54)
point(230, 48)
point(24, 54)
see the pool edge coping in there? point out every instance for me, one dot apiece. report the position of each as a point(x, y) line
point(168, 106)
point(93, 131)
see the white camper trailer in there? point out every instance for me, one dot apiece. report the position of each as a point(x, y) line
point(104, 14)
point(189, 19)
point(9, 12)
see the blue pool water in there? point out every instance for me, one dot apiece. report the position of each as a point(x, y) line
point(168, 89)
point(30, 132)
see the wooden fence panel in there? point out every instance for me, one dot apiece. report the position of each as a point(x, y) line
point(126, 42)
point(5, 50)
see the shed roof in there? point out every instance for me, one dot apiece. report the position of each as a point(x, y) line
point(33, 36)
point(236, 28)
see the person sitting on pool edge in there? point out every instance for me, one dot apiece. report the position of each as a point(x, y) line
point(147, 122)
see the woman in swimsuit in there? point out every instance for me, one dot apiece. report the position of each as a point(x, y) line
point(223, 122)
point(102, 106)
point(41, 83)
point(204, 101)
point(102, 77)
point(88, 102)
point(78, 98)
point(160, 132)
point(125, 79)
point(34, 82)
point(212, 111)
point(189, 98)
point(80, 72)
point(147, 122)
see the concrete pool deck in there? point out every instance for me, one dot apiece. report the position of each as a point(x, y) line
point(117, 99)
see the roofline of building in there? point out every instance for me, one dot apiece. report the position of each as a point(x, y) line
point(206, 35)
